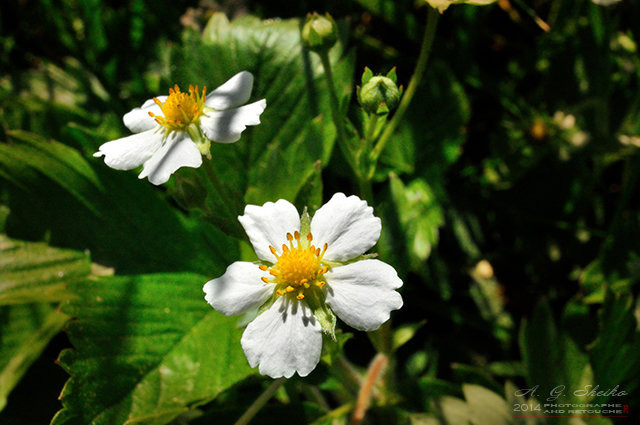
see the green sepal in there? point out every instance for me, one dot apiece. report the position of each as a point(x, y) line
point(392, 75)
point(367, 75)
point(383, 109)
point(305, 222)
point(322, 312)
point(201, 141)
point(267, 304)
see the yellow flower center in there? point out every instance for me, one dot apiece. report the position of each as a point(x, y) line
point(298, 267)
point(180, 109)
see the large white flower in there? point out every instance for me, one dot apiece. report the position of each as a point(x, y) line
point(309, 270)
point(176, 130)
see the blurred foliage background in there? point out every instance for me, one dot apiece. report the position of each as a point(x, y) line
point(508, 194)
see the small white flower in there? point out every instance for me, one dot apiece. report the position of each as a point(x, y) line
point(176, 130)
point(306, 265)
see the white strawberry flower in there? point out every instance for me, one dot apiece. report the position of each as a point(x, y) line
point(309, 269)
point(176, 130)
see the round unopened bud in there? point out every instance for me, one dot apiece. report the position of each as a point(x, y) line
point(319, 32)
point(379, 95)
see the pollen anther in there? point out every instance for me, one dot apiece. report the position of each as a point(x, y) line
point(299, 266)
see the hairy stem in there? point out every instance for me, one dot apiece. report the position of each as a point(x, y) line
point(366, 390)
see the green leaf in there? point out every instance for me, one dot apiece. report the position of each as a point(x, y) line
point(31, 275)
point(55, 192)
point(487, 407)
point(35, 272)
point(552, 359)
point(58, 162)
point(25, 331)
point(147, 349)
point(404, 333)
point(615, 354)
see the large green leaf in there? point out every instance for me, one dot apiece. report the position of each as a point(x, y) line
point(25, 331)
point(35, 272)
point(125, 223)
point(615, 354)
point(556, 366)
point(147, 348)
point(31, 276)
point(277, 158)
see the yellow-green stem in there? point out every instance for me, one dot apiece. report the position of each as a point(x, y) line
point(260, 402)
point(369, 137)
point(418, 72)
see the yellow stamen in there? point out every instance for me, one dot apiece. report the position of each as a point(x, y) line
point(263, 267)
point(264, 279)
point(299, 266)
point(180, 109)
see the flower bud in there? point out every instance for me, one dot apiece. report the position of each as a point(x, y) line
point(319, 32)
point(379, 95)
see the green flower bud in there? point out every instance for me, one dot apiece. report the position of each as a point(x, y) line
point(319, 32)
point(379, 95)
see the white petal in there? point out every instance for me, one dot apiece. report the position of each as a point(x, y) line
point(177, 151)
point(239, 289)
point(131, 151)
point(227, 126)
point(138, 120)
point(234, 92)
point(347, 226)
point(268, 225)
point(363, 294)
point(283, 340)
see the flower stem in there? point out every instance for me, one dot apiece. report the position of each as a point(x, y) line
point(369, 137)
point(366, 391)
point(363, 181)
point(260, 402)
point(418, 72)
